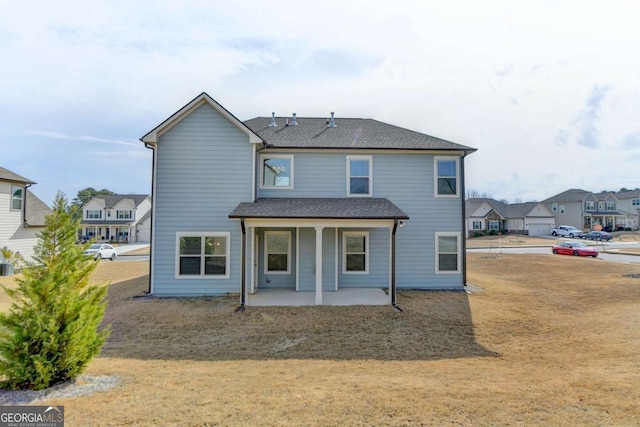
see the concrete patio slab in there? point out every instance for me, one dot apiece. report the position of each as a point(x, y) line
point(291, 298)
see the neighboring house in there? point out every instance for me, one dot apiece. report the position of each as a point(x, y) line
point(302, 204)
point(121, 218)
point(629, 204)
point(584, 210)
point(488, 215)
point(22, 214)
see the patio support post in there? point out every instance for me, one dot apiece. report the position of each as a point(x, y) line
point(393, 265)
point(319, 265)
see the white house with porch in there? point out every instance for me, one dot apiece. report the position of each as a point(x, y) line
point(122, 218)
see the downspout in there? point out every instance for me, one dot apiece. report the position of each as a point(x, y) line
point(24, 204)
point(464, 221)
point(243, 266)
point(393, 265)
point(153, 204)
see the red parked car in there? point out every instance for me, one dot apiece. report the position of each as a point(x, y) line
point(574, 248)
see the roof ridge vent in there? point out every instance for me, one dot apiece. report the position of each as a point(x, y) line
point(332, 122)
point(273, 123)
point(294, 121)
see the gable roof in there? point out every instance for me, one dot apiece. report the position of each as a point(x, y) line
point(36, 211)
point(349, 133)
point(572, 195)
point(7, 175)
point(333, 208)
point(110, 200)
point(632, 194)
point(506, 211)
point(153, 136)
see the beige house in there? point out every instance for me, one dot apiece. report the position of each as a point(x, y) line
point(22, 214)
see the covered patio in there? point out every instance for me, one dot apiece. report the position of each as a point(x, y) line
point(315, 219)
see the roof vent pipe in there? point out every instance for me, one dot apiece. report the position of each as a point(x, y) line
point(273, 123)
point(294, 122)
point(332, 122)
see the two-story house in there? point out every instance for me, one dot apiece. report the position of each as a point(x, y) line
point(124, 218)
point(22, 214)
point(584, 210)
point(316, 207)
point(629, 203)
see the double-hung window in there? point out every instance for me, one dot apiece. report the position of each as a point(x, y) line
point(610, 206)
point(94, 214)
point(359, 171)
point(277, 252)
point(355, 250)
point(17, 197)
point(448, 252)
point(494, 225)
point(124, 214)
point(202, 255)
point(635, 202)
point(589, 205)
point(277, 171)
point(477, 225)
point(446, 171)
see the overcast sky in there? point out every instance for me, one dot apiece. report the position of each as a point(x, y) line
point(547, 91)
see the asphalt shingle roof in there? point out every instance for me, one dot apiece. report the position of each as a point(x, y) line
point(112, 200)
point(334, 208)
point(7, 175)
point(349, 133)
point(36, 210)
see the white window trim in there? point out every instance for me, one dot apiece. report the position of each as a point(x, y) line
point(563, 210)
point(493, 221)
point(589, 205)
point(13, 189)
point(276, 156)
point(94, 210)
point(367, 254)
point(266, 251)
point(129, 213)
point(554, 207)
point(225, 234)
point(473, 225)
point(348, 181)
point(436, 159)
point(635, 202)
point(459, 249)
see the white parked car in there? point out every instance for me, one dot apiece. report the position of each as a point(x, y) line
point(567, 231)
point(99, 251)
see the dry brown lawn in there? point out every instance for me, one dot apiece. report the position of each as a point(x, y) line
point(508, 241)
point(546, 340)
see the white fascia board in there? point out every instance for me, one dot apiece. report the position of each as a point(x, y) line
point(309, 222)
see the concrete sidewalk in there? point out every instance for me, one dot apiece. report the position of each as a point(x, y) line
point(123, 249)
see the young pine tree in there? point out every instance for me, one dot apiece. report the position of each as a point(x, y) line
point(51, 332)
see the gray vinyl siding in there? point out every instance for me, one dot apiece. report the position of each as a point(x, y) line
point(406, 179)
point(379, 251)
point(307, 274)
point(203, 172)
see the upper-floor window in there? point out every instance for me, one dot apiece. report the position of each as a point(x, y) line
point(589, 205)
point(94, 214)
point(202, 255)
point(448, 252)
point(277, 252)
point(277, 171)
point(446, 172)
point(562, 209)
point(124, 214)
point(610, 206)
point(359, 175)
point(554, 207)
point(17, 197)
point(635, 202)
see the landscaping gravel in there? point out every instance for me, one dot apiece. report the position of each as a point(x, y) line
point(82, 386)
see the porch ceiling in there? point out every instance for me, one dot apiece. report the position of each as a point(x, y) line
point(363, 208)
